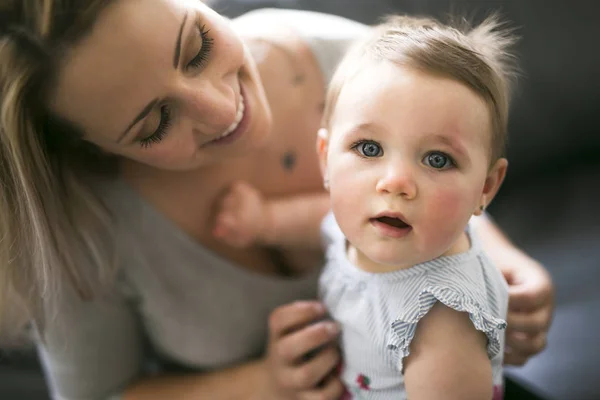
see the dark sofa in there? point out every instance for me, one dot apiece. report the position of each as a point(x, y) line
point(547, 204)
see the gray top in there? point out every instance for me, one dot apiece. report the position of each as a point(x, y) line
point(175, 303)
point(379, 312)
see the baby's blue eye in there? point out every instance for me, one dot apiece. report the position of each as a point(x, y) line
point(438, 160)
point(370, 149)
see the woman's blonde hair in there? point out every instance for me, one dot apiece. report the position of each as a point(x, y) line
point(50, 221)
point(478, 57)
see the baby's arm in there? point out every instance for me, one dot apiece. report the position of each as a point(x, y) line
point(245, 217)
point(448, 358)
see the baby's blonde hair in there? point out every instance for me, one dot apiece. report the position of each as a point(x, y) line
point(478, 57)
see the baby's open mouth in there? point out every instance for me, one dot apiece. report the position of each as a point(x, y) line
point(391, 225)
point(393, 222)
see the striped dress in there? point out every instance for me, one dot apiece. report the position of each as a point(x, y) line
point(379, 312)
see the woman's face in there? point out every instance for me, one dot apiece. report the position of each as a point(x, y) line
point(166, 83)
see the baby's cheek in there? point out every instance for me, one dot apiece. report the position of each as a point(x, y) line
point(446, 204)
point(447, 212)
point(344, 206)
point(346, 209)
point(345, 191)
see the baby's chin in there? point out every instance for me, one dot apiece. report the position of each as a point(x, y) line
point(378, 261)
point(393, 260)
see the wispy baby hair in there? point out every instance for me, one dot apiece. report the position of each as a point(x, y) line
point(479, 57)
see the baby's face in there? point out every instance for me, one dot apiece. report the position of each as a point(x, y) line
point(407, 163)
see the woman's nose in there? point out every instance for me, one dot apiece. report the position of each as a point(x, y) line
point(398, 180)
point(212, 104)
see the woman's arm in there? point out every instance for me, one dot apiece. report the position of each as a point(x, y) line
point(93, 350)
point(285, 372)
point(531, 293)
point(248, 381)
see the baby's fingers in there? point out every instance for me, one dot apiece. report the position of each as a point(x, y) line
point(242, 188)
point(231, 201)
point(225, 227)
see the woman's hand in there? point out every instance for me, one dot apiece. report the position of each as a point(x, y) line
point(531, 293)
point(302, 353)
point(530, 306)
point(241, 216)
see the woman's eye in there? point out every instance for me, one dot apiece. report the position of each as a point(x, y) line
point(369, 149)
point(438, 160)
point(207, 44)
point(161, 130)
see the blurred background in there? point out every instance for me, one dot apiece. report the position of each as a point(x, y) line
point(548, 202)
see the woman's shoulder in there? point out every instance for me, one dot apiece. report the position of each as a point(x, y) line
point(308, 23)
point(327, 36)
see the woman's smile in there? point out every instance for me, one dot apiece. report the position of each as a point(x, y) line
point(238, 127)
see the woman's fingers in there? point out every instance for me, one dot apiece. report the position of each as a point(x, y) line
point(522, 346)
point(311, 372)
point(526, 335)
point(515, 359)
point(332, 389)
point(291, 317)
point(531, 323)
point(530, 295)
point(298, 344)
point(301, 353)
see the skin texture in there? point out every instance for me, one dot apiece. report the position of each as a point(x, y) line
point(127, 62)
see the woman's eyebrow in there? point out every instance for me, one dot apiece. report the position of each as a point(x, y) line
point(137, 119)
point(178, 42)
point(144, 113)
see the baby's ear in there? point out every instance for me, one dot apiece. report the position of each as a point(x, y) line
point(492, 184)
point(322, 148)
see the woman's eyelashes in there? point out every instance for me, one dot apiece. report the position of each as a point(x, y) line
point(161, 131)
point(198, 61)
point(207, 43)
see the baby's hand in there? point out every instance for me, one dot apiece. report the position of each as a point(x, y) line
point(241, 217)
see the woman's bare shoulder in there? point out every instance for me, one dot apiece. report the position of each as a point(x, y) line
point(305, 23)
point(319, 38)
point(271, 30)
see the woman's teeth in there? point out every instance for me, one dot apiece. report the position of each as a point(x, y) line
point(238, 118)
